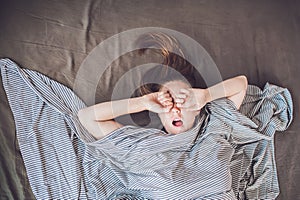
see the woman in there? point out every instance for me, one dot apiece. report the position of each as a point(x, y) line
point(172, 96)
point(180, 162)
point(176, 103)
point(228, 154)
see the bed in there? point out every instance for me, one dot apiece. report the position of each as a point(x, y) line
point(257, 39)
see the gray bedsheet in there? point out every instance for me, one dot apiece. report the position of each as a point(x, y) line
point(257, 38)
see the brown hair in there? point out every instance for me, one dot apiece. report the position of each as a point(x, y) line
point(173, 67)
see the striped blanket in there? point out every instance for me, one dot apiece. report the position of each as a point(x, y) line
point(228, 154)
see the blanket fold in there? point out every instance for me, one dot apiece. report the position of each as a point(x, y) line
point(228, 154)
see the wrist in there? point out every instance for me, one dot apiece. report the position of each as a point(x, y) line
point(207, 96)
point(136, 105)
point(144, 102)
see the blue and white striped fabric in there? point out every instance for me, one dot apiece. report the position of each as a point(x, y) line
point(228, 154)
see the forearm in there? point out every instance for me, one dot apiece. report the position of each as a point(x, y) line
point(227, 88)
point(112, 109)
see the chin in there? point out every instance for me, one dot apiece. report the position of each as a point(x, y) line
point(176, 130)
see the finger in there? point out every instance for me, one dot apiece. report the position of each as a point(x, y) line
point(184, 91)
point(162, 92)
point(179, 105)
point(167, 103)
point(167, 108)
point(165, 100)
point(179, 101)
point(181, 96)
point(163, 96)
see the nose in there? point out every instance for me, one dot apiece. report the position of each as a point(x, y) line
point(175, 109)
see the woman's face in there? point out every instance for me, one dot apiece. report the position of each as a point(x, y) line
point(177, 120)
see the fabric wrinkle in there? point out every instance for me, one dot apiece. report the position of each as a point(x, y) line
point(228, 154)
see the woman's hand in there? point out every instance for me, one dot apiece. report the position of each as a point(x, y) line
point(158, 102)
point(192, 99)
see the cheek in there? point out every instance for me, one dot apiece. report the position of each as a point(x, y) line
point(190, 114)
point(163, 117)
point(189, 117)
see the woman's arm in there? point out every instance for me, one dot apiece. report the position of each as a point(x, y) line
point(195, 98)
point(99, 119)
point(233, 88)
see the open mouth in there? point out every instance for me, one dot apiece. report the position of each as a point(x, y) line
point(177, 122)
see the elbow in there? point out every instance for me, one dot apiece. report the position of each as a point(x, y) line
point(244, 81)
point(80, 114)
point(86, 115)
point(83, 115)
